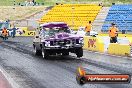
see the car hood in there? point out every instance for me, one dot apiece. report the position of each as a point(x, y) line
point(62, 36)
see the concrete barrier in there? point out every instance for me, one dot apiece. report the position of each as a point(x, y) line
point(122, 48)
point(93, 44)
point(130, 39)
point(119, 49)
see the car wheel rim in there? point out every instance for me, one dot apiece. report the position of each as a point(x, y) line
point(43, 53)
point(35, 50)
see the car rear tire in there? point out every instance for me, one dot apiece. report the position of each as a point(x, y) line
point(79, 52)
point(45, 54)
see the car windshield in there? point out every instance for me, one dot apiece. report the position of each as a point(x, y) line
point(51, 32)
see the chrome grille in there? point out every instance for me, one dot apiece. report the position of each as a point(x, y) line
point(62, 42)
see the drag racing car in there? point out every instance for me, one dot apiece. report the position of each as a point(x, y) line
point(56, 38)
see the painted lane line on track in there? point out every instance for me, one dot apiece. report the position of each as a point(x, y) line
point(8, 78)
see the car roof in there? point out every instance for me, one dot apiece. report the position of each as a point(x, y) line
point(54, 25)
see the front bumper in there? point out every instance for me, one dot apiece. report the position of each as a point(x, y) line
point(64, 47)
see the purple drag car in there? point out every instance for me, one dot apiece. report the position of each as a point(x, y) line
point(56, 38)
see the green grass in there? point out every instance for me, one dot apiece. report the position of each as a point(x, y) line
point(52, 2)
point(19, 13)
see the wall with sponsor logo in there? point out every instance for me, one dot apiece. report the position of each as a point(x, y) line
point(23, 31)
point(93, 43)
point(123, 47)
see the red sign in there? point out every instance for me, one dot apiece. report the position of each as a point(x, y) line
point(82, 77)
point(108, 78)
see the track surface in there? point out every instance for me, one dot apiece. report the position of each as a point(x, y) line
point(29, 71)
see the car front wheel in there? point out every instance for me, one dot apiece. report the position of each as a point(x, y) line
point(45, 54)
point(37, 52)
point(79, 52)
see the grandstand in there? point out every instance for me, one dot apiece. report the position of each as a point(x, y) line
point(121, 15)
point(75, 15)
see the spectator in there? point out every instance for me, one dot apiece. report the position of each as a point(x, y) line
point(4, 33)
point(13, 32)
point(88, 28)
point(57, 3)
point(29, 3)
point(101, 4)
point(113, 33)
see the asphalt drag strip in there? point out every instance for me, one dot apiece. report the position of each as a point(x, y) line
point(3, 81)
point(30, 72)
point(57, 72)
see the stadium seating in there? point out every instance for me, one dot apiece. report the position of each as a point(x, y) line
point(75, 15)
point(121, 15)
